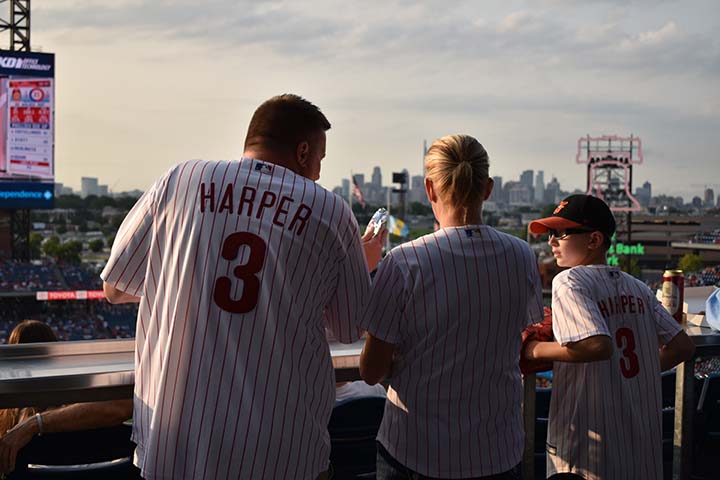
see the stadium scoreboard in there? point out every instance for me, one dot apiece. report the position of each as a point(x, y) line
point(27, 133)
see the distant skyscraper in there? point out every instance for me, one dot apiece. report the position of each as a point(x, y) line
point(497, 192)
point(417, 189)
point(526, 178)
point(709, 197)
point(644, 194)
point(360, 179)
point(540, 186)
point(552, 191)
point(88, 186)
point(377, 177)
point(102, 190)
point(717, 204)
point(346, 188)
point(697, 202)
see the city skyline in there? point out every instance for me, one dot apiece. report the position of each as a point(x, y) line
point(143, 85)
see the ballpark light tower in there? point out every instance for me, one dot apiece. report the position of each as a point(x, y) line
point(18, 24)
point(609, 161)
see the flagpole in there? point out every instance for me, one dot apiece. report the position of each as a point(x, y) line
point(387, 240)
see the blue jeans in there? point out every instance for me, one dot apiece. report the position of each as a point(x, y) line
point(390, 469)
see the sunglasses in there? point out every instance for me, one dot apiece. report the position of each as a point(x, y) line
point(563, 234)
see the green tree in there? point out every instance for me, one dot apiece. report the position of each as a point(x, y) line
point(69, 252)
point(51, 246)
point(110, 240)
point(96, 245)
point(35, 245)
point(690, 262)
point(630, 265)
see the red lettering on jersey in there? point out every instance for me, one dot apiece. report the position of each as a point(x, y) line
point(247, 196)
point(302, 214)
point(227, 200)
point(603, 309)
point(631, 302)
point(641, 305)
point(268, 200)
point(207, 196)
point(282, 210)
point(623, 303)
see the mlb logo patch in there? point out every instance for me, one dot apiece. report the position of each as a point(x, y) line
point(263, 168)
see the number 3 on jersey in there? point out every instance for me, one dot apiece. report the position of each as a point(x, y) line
point(629, 363)
point(247, 273)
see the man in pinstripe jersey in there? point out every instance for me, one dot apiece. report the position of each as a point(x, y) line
point(612, 340)
point(239, 267)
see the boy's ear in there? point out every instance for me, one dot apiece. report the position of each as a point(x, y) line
point(597, 241)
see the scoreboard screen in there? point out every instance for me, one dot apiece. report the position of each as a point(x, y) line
point(27, 129)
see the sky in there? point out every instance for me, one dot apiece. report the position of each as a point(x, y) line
point(145, 84)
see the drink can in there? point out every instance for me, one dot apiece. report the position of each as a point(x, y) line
point(673, 293)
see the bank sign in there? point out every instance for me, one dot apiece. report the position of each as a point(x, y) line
point(620, 248)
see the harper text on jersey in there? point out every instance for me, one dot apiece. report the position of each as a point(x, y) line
point(621, 304)
point(254, 202)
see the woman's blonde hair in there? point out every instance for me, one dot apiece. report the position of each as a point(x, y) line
point(458, 166)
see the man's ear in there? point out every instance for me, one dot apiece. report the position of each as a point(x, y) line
point(430, 190)
point(302, 153)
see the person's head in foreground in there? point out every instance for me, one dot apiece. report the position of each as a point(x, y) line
point(27, 331)
point(31, 331)
point(580, 228)
point(289, 131)
point(457, 180)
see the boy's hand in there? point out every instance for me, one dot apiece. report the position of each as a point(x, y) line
point(531, 336)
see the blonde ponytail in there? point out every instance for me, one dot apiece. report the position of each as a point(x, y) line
point(458, 165)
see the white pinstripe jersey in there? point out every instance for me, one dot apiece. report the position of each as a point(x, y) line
point(455, 303)
point(605, 417)
point(240, 266)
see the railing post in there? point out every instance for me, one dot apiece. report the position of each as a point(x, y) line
point(528, 462)
point(684, 415)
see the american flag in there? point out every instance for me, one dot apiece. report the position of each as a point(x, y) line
point(357, 193)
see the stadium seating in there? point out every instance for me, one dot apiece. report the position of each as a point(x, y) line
point(353, 426)
point(91, 454)
point(26, 277)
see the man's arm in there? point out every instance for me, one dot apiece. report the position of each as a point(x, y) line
point(591, 349)
point(680, 349)
point(375, 359)
point(78, 416)
point(116, 296)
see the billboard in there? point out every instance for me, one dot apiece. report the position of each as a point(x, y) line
point(27, 129)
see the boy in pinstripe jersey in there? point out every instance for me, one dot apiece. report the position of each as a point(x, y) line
point(612, 340)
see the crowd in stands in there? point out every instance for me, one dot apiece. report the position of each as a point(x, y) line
point(27, 277)
point(16, 277)
point(707, 237)
point(78, 320)
point(81, 277)
point(705, 277)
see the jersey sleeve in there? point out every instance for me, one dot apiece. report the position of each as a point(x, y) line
point(342, 313)
point(576, 315)
point(665, 325)
point(385, 310)
point(125, 269)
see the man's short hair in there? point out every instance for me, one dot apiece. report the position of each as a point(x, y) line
point(282, 122)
